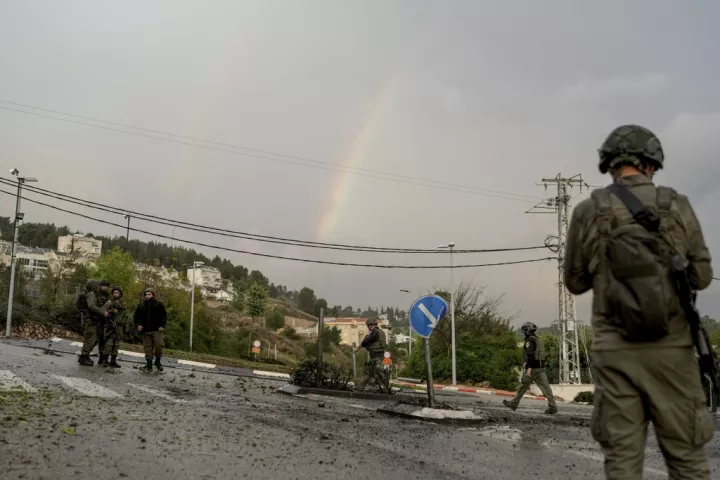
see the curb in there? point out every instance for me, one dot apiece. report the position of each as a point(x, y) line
point(261, 373)
point(502, 393)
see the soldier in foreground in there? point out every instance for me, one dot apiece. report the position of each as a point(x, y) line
point(533, 369)
point(92, 316)
point(620, 244)
point(150, 318)
point(375, 342)
point(114, 328)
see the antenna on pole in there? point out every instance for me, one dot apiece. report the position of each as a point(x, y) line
point(569, 364)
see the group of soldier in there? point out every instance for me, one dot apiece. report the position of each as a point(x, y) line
point(633, 244)
point(105, 322)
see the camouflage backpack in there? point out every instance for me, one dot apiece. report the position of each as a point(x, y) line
point(640, 296)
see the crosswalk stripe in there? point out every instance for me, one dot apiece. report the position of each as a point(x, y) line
point(9, 382)
point(86, 387)
point(159, 393)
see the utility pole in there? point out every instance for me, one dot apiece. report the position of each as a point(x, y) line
point(568, 325)
point(127, 233)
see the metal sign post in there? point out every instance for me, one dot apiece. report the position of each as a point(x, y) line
point(425, 315)
point(321, 327)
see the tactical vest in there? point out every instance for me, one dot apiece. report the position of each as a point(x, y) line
point(377, 348)
point(539, 349)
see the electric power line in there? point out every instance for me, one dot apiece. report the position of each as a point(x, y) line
point(279, 257)
point(245, 235)
point(294, 160)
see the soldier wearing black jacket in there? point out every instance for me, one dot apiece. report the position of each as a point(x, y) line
point(151, 318)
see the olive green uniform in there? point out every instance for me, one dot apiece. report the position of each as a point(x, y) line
point(534, 356)
point(375, 344)
point(92, 320)
point(114, 329)
point(639, 382)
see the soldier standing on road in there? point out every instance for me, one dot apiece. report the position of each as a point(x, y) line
point(533, 369)
point(92, 316)
point(150, 318)
point(644, 364)
point(114, 327)
point(375, 342)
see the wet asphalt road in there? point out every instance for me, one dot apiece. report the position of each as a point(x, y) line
point(63, 421)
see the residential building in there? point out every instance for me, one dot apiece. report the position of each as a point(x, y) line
point(205, 276)
point(352, 330)
point(402, 338)
point(33, 260)
point(88, 247)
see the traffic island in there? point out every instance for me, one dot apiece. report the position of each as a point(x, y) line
point(291, 389)
point(443, 414)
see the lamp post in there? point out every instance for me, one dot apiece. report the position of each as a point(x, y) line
point(192, 301)
point(409, 328)
point(18, 216)
point(450, 246)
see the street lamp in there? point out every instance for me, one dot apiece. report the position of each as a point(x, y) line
point(450, 246)
point(192, 300)
point(18, 216)
point(409, 327)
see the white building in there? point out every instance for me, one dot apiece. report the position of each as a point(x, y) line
point(88, 247)
point(205, 276)
point(33, 260)
point(401, 338)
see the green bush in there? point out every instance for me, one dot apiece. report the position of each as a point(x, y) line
point(584, 397)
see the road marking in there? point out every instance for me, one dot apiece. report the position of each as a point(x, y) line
point(197, 364)
point(76, 344)
point(87, 388)
point(271, 374)
point(131, 354)
point(56, 339)
point(9, 382)
point(160, 393)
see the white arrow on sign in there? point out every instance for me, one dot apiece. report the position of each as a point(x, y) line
point(433, 321)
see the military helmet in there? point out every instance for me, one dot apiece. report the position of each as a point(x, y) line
point(631, 143)
point(104, 282)
point(370, 321)
point(528, 328)
point(118, 289)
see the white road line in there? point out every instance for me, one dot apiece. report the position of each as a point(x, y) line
point(76, 344)
point(131, 354)
point(197, 364)
point(9, 382)
point(271, 374)
point(159, 393)
point(56, 339)
point(87, 388)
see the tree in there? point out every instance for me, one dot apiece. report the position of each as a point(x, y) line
point(275, 319)
point(331, 336)
point(306, 300)
point(117, 266)
point(320, 303)
point(256, 300)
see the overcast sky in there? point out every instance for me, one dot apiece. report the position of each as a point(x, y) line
point(491, 95)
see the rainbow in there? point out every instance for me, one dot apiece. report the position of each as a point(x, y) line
point(355, 153)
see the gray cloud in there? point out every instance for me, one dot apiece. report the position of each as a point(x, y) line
point(493, 96)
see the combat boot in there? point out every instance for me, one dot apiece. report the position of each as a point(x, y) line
point(551, 410)
point(113, 362)
point(102, 361)
point(148, 366)
point(85, 361)
point(510, 405)
point(158, 364)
